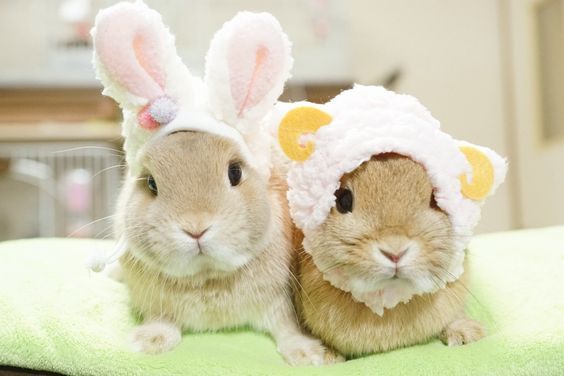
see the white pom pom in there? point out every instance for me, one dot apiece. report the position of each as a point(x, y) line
point(96, 261)
point(163, 110)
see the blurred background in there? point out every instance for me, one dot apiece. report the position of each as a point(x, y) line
point(492, 71)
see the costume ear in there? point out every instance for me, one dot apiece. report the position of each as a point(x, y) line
point(247, 64)
point(131, 48)
point(488, 171)
point(295, 127)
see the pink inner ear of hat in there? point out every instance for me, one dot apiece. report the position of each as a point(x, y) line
point(260, 60)
point(149, 59)
point(255, 62)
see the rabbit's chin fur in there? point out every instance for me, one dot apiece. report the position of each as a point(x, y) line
point(237, 274)
point(377, 304)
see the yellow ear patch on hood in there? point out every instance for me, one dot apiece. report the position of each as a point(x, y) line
point(296, 123)
point(482, 174)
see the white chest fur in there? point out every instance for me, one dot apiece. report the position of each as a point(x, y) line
point(246, 298)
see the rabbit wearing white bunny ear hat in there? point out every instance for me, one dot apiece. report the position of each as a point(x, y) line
point(204, 225)
point(136, 60)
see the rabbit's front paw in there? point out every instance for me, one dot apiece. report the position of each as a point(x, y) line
point(303, 351)
point(461, 332)
point(155, 337)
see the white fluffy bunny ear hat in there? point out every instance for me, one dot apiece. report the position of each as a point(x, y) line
point(247, 64)
point(327, 141)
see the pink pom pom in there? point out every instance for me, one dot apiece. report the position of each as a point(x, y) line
point(145, 119)
point(159, 112)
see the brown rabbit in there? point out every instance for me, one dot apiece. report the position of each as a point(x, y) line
point(206, 251)
point(393, 207)
point(387, 203)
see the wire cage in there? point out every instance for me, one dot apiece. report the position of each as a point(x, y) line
point(58, 189)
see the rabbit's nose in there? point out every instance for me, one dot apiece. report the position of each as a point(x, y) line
point(394, 257)
point(195, 234)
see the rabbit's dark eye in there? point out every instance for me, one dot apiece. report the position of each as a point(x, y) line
point(234, 173)
point(152, 184)
point(344, 200)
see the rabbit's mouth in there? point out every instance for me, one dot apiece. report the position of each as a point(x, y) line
point(382, 280)
point(205, 258)
point(188, 251)
point(199, 264)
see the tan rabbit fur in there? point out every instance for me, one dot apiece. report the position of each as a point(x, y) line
point(393, 206)
point(236, 274)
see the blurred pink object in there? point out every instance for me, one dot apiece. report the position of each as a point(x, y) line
point(76, 195)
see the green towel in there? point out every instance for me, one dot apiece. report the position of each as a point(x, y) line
point(57, 316)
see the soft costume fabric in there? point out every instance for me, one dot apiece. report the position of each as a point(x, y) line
point(328, 141)
point(247, 64)
point(57, 316)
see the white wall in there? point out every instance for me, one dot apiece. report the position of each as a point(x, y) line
point(34, 57)
point(449, 53)
point(541, 180)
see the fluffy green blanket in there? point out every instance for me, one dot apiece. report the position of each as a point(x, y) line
point(57, 316)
